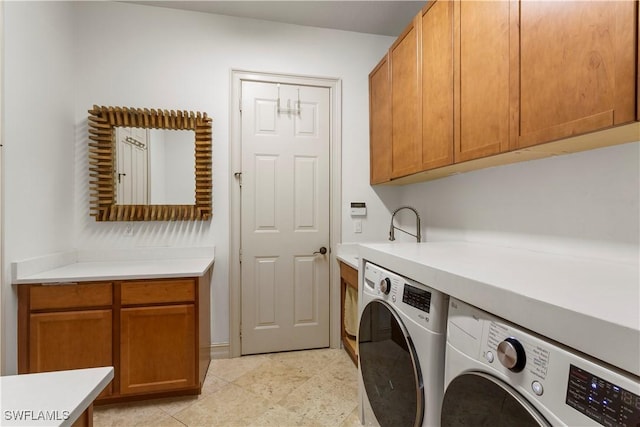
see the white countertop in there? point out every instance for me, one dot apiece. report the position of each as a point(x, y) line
point(114, 265)
point(588, 304)
point(50, 398)
point(348, 253)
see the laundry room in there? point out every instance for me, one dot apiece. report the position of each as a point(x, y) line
point(389, 208)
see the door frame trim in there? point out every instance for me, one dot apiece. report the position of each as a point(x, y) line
point(335, 195)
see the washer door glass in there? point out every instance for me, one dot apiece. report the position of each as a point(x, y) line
point(390, 369)
point(476, 399)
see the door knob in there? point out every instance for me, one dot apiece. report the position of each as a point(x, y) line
point(321, 251)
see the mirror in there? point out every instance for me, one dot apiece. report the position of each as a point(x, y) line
point(154, 166)
point(149, 165)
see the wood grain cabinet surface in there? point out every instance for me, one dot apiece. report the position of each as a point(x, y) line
point(483, 83)
point(380, 123)
point(152, 361)
point(348, 279)
point(406, 120)
point(155, 333)
point(437, 70)
point(65, 327)
point(475, 84)
point(577, 68)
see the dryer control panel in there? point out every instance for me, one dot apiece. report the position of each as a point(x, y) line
point(567, 387)
point(601, 400)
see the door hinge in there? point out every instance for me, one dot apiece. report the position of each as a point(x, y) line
point(240, 255)
point(240, 104)
point(238, 176)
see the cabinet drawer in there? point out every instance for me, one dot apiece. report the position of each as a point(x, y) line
point(158, 291)
point(45, 297)
point(349, 275)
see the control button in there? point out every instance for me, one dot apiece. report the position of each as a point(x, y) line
point(537, 388)
point(385, 285)
point(511, 354)
point(393, 298)
point(489, 356)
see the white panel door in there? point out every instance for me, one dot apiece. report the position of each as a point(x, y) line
point(285, 217)
point(133, 166)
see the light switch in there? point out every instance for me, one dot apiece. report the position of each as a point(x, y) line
point(357, 226)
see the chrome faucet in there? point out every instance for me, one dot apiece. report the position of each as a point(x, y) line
point(392, 235)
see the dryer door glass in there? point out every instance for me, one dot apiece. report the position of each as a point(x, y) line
point(476, 399)
point(390, 368)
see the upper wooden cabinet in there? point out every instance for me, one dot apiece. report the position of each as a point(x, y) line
point(406, 107)
point(380, 123)
point(437, 84)
point(483, 84)
point(577, 68)
point(465, 80)
point(479, 83)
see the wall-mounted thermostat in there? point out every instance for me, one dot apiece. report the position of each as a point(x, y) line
point(358, 209)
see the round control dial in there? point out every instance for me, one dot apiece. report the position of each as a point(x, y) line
point(512, 355)
point(385, 285)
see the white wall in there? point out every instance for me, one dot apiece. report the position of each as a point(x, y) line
point(141, 56)
point(584, 204)
point(37, 122)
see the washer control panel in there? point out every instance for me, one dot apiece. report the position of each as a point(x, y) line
point(416, 300)
point(416, 297)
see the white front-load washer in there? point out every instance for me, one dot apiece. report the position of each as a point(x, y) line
point(500, 374)
point(401, 339)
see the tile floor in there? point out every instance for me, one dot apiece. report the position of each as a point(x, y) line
point(300, 388)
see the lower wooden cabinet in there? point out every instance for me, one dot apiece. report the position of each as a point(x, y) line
point(152, 361)
point(349, 309)
point(80, 339)
point(155, 333)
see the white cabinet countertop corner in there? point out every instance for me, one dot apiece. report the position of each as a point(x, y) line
point(348, 253)
point(50, 398)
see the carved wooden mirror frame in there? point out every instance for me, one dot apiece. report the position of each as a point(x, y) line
point(102, 162)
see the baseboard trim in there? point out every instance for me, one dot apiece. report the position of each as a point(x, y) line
point(220, 351)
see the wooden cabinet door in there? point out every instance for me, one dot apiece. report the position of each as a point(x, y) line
point(380, 123)
point(483, 94)
point(157, 348)
point(437, 84)
point(70, 340)
point(577, 68)
point(406, 107)
point(348, 281)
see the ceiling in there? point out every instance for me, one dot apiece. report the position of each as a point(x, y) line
point(387, 18)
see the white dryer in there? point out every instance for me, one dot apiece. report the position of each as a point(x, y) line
point(499, 374)
point(401, 339)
